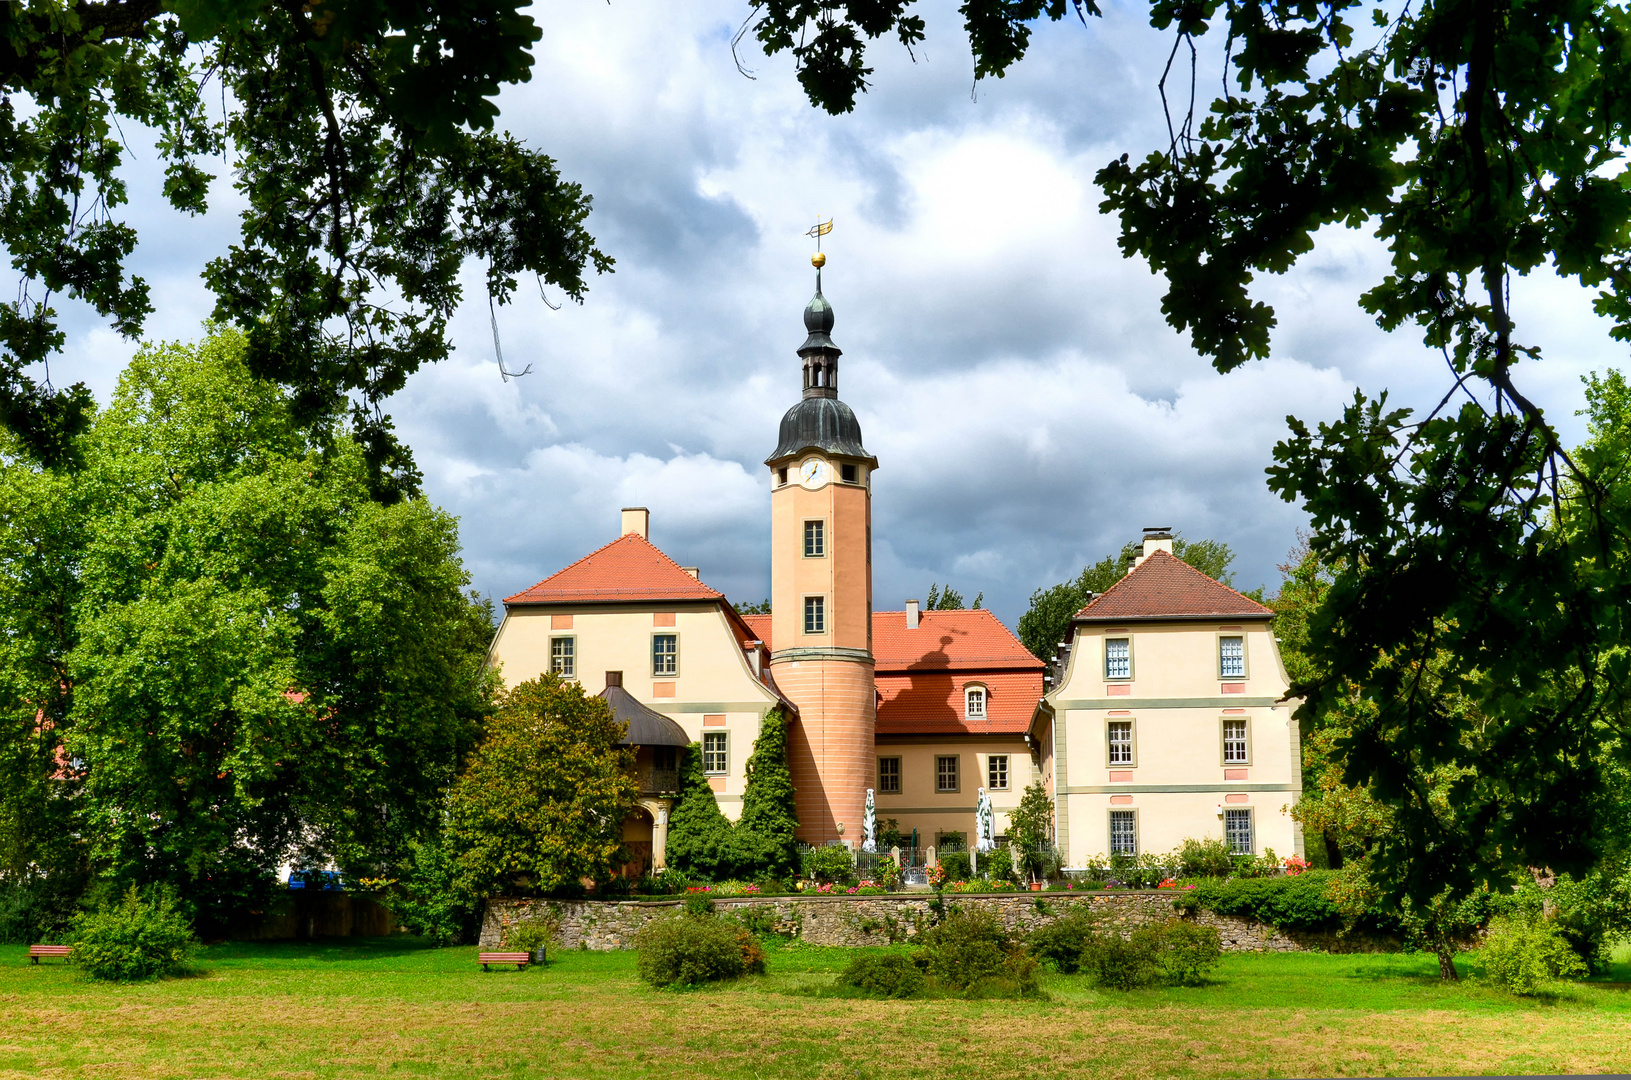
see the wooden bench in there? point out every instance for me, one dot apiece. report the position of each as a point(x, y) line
point(519, 959)
point(37, 951)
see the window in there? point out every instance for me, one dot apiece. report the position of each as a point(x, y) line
point(849, 473)
point(974, 703)
point(715, 758)
point(889, 775)
point(665, 654)
point(1232, 657)
point(781, 475)
point(945, 773)
point(563, 657)
point(815, 614)
point(996, 772)
point(815, 539)
point(1236, 748)
point(1237, 831)
point(1121, 742)
point(1123, 832)
point(1118, 658)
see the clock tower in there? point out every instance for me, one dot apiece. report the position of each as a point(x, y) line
point(821, 591)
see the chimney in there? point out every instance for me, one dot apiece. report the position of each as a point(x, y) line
point(614, 678)
point(694, 571)
point(636, 519)
point(1156, 538)
point(911, 614)
point(752, 649)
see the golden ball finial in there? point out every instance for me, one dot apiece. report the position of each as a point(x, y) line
point(818, 260)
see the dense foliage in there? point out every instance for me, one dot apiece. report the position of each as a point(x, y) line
point(134, 937)
point(361, 146)
point(1304, 902)
point(217, 652)
point(703, 844)
point(1030, 833)
point(687, 950)
point(969, 953)
point(1523, 952)
point(883, 975)
point(540, 806)
point(1046, 621)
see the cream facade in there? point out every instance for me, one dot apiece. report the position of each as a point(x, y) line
point(914, 788)
point(1165, 728)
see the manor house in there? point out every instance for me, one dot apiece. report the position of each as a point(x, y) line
point(1166, 721)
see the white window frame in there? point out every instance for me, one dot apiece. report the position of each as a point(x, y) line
point(670, 669)
point(993, 762)
point(1223, 672)
point(817, 606)
point(721, 755)
point(1127, 641)
point(1232, 815)
point(571, 656)
point(1110, 744)
point(1129, 817)
point(1244, 743)
point(972, 694)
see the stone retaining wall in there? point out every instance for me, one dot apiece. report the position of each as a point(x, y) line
point(883, 920)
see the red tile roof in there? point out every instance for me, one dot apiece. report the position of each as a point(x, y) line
point(760, 625)
point(931, 702)
point(627, 569)
point(1165, 587)
point(945, 640)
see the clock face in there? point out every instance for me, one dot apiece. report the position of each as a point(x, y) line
point(814, 473)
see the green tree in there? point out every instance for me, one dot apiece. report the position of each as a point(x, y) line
point(540, 806)
point(1046, 622)
point(699, 835)
point(950, 599)
point(769, 823)
point(1030, 829)
point(219, 652)
point(361, 142)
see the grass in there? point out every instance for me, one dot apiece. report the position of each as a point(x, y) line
point(396, 1008)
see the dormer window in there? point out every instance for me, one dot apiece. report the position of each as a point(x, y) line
point(974, 703)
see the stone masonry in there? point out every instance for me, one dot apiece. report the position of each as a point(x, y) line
point(883, 920)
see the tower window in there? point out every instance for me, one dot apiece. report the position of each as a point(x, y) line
point(665, 654)
point(563, 658)
point(974, 703)
point(815, 539)
point(781, 475)
point(849, 473)
point(815, 614)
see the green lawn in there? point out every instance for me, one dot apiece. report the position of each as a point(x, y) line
point(394, 1007)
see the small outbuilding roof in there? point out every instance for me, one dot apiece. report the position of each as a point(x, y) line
point(647, 727)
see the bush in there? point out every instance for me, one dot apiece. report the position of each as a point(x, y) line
point(1121, 963)
point(536, 933)
point(1185, 952)
point(1062, 942)
point(1204, 858)
point(1290, 903)
point(136, 937)
point(831, 863)
point(686, 950)
point(888, 976)
point(955, 865)
point(666, 882)
point(970, 953)
point(1522, 951)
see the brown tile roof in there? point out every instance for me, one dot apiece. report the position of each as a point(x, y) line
point(1165, 587)
point(931, 702)
point(627, 569)
point(947, 640)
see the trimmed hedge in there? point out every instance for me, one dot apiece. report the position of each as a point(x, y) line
point(1290, 903)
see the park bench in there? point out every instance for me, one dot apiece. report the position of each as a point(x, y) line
point(37, 951)
point(519, 959)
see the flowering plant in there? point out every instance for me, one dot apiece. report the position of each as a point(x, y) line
point(1296, 865)
point(1167, 883)
point(937, 876)
point(699, 888)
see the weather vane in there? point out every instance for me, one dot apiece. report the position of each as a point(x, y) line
point(818, 230)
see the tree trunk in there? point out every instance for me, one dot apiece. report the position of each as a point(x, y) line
point(1446, 963)
point(1333, 853)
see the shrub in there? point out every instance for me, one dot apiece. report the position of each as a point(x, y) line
point(136, 937)
point(955, 865)
point(1522, 951)
point(1185, 952)
point(888, 976)
point(666, 882)
point(1302, 902)
point(758, 919)
point(1204, 858)
point(831, 863)
point(970, 953)
point(686, 950)
point(1122, 963)
point(538, 932)
point(1062, 942)
point(698, 904)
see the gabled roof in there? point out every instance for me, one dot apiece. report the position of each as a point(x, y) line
point(1165, 587)
point(629, 568)
point(947, 640)
point(932, 702)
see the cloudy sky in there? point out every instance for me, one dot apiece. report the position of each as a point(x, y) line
point(1029, 408)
